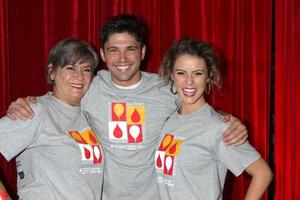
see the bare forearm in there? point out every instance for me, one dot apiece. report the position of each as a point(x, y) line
point(257, 188)
point(261, 178)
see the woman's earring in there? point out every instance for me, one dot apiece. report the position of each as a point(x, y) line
point(173, 89)
point(51, 79)
point(52, 82)
point(208, 86)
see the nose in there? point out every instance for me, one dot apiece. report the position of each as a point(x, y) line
point(189, 79)
point(79, 74)
point(122, 56)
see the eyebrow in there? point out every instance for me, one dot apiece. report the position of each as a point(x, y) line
point(113, 47)
point(135, 46)
point(195, 71)
point(203, 70)
point(85, 66)
point(130, 46)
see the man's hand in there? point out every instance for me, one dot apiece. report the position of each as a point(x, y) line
point(21, 109)
point(236, 134)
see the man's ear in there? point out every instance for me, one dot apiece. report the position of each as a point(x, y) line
point(143, 52)
point(102, 54)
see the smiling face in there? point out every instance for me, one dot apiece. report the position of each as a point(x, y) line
point(123, 55)
point(71, 82)
point(190, 75)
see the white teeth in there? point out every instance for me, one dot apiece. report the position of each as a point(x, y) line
point(189, 90)
point(122, 67)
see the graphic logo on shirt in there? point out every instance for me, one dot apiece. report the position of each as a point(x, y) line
point(126, 123)
point(168, 150)
point(88, 144)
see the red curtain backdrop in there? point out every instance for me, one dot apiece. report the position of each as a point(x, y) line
point(7, 172)
point(287, 98)
point(240, 30)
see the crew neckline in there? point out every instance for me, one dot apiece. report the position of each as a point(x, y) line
point(130, 87)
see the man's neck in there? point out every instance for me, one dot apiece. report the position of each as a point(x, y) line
point(129, 87)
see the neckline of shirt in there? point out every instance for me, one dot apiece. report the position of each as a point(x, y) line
point(182, 118)
point(61, 103)
point(130, 87)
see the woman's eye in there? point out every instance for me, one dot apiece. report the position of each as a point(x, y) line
point(87, 70)
point(180, 73)
point(69, 67)
point(199, 73)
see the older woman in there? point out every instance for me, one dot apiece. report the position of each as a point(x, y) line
point(191, 161)
point(57, 153)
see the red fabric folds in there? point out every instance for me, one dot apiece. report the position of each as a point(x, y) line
point(287, 98)
point(7, 169)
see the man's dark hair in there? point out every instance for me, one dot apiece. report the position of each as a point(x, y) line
point(124, 23)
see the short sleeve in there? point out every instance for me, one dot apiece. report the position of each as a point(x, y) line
point(17, 135)
point(235, 158)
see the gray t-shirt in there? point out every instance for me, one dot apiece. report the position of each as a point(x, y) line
point(191, 160)
point(58, 154)
point(128, 123)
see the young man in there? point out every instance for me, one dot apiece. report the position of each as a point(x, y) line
point(127, 109)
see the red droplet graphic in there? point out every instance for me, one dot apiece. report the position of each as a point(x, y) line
point(118, 132)
point(92, 138)
point(97, 154)
point(172, 149)
point(158, 162)
point(135, 117)
point(76, 136)
point(100, 158)
point(87, 153)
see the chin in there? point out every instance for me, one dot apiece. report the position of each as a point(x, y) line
point(78, 96)
point(188, 100)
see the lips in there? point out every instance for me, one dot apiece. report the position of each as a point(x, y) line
point(189, 91)
point(77, 86)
